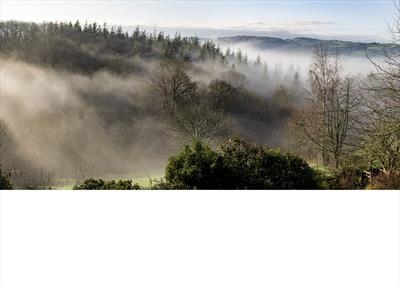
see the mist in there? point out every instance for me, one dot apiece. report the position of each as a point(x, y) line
point(64, 121)
point(105, 124)
point(298, 61)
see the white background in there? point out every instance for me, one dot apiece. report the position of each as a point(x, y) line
point(199, 237)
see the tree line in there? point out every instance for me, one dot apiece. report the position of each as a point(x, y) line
point(90, 47)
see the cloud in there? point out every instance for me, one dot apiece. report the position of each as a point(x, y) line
point(314, 23)
point(308, 29)
point(322, 29)
point(279, 25)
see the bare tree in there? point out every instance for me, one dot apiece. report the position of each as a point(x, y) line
point(198, 119)
point(172, 84)
point(234, 78)
point(220, 94)
point(192, 112)
point(382, 101)
point(328, 118)
point(81, 171)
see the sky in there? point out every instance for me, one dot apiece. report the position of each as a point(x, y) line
point(356, 20)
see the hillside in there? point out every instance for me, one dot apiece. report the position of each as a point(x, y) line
point(304, 44)
point(93, 47)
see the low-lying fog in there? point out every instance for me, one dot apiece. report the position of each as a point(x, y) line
point(355, 65)
point(63, 121)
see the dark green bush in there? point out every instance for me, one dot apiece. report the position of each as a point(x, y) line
point(4, 181)
point(100, 184)
point(238, 165)
point(243, 164)
point(254, 166)
point(195, 167)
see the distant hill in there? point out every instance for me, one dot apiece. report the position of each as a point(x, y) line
point(307, 45)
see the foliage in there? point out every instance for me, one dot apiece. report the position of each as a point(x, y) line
point(5, 181)
point(382, 147)
point(100, 184)
point(243, 161)
point(324, 178)
point(92, 47)
point(257, 167)
point(195, 167)
point(238, 165)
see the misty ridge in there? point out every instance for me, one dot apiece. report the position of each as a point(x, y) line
point(297, 53)
point(307, 45)
point(80, 101)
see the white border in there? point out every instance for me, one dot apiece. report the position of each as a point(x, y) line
point(199, 237)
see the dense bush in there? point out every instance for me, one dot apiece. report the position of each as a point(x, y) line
point(238, 165)
point(243, 163)
point(4, 181)
point(100, 184)
point(195, 167)
point(257, 167)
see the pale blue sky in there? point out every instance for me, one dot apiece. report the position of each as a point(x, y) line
point(351, 19)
